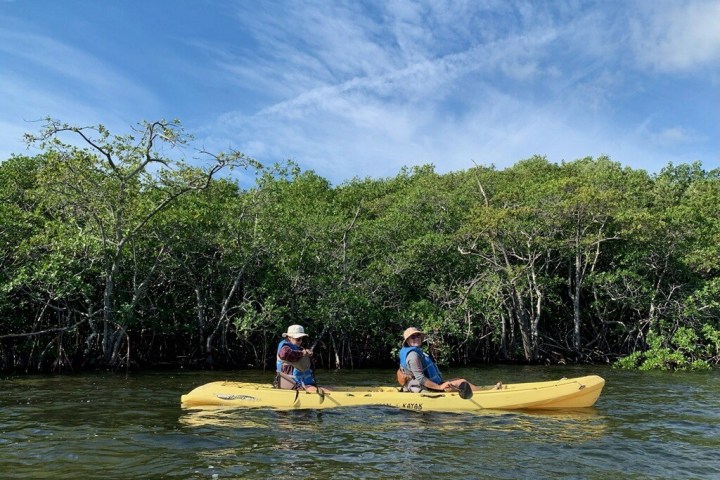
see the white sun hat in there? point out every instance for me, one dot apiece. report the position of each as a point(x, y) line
point(295, 331)
point(411, 331)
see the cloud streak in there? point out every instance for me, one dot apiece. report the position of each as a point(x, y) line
point(46, 77)
point(365, 88)
point(678, 37)
point(393, 112)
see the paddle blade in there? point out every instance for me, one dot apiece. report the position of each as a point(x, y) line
point(465, 390)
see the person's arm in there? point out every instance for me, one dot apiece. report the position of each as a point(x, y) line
point(289, 355)
point(430, 385)
point(414, 363)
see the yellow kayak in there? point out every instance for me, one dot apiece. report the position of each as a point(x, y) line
point(557, 394)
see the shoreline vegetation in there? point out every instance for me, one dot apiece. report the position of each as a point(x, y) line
point(134, 251)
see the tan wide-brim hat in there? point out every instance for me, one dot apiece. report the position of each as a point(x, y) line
point(295, 331)
point(411, 331)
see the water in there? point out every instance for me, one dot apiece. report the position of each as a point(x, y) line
point(645, 425)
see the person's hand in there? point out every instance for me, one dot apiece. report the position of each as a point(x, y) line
point(445, 386)
point(307, 352)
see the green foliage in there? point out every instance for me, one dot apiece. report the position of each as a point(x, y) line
point(127, 256)
point(712, 343)
point(681, 351)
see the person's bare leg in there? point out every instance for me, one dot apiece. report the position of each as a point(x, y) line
point(475, 388)
point(457, 381)
point(314, 389)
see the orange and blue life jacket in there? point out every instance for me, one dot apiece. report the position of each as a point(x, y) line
point(430, 369)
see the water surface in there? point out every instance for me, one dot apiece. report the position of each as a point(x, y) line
point(645, 425)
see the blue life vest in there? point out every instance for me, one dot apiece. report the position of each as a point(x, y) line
point(430, 369)
point(302, 377)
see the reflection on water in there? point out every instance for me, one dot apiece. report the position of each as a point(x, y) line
point(221, 417)
point(93, 426)
point(551, 426)
point(539, 426)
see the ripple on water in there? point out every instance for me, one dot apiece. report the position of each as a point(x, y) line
point(644, 426)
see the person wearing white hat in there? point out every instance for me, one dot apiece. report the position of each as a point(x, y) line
point(293, 362)
point(419, 372)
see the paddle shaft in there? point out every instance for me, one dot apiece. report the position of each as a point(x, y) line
point(317, 340)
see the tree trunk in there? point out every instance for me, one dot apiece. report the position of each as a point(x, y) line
point(523, 322)
point(200, 319)
point(576, 297)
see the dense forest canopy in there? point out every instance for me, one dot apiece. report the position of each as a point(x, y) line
point(116, 255)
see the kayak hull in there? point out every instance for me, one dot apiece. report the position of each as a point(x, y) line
point(565, 393)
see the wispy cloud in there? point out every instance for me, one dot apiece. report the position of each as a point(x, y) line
point(393, 111)
point(353, 88)
point(679, 36)
point(83, 74)
point(44, 76)
point(26, 103)
point(494, 82)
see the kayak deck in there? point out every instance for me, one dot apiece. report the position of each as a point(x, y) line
point(565, 393)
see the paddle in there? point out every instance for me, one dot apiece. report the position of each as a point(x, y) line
point(318, 338)
point(464, 390)
point(312, 363)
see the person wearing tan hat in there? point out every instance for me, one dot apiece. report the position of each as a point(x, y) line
point(419, 372)
point(293, 362)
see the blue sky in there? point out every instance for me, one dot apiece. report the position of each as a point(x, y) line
point(356, 89)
